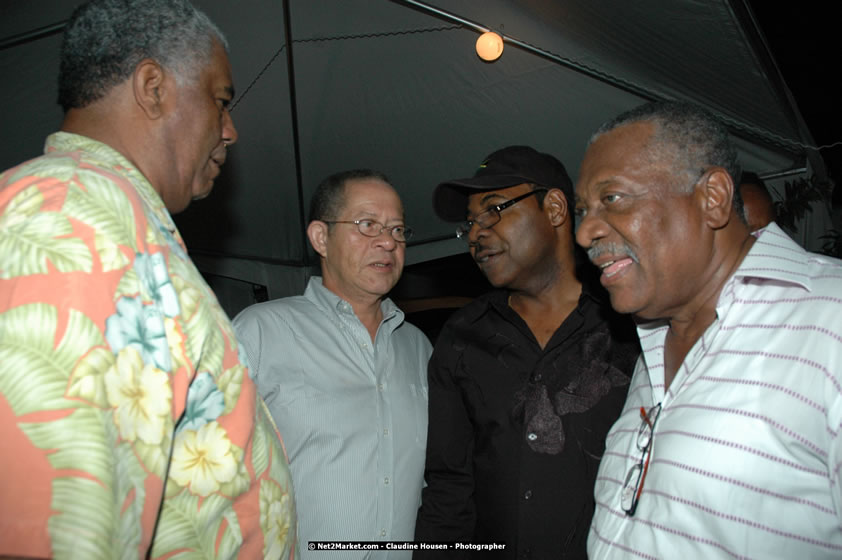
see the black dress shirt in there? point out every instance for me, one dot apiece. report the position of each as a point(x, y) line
point(516, 432)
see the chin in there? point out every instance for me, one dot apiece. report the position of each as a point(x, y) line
point(498, 280)
point(203, 191)
point(621, 305)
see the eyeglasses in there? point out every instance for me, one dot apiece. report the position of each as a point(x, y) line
point(633, 487)
point(491, 216)
point(370, 228)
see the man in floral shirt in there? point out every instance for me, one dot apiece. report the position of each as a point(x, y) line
point(129, 423)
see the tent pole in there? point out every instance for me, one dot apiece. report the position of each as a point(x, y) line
point(296, 144)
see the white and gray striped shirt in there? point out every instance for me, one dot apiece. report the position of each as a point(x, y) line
point(746, 453)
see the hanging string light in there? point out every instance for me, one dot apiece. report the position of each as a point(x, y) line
point(489, 46)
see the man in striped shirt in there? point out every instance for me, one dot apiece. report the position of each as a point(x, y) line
point(728, 445)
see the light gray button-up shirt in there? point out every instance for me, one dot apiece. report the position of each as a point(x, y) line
point(353, 415)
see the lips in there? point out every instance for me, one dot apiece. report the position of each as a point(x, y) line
point(611, 258)
point(482, 254)
point(382, 265)
point(612, 267)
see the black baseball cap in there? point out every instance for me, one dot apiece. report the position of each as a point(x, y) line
point(508, 167)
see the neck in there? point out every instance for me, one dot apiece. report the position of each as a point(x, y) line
point(552, 294)
point(690, 323)
point(104, 121)
point(545, 307)
point(366, 307)
point(693, 319)
point(370, 315)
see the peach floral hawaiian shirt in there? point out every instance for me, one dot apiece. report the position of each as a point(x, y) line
point(129, 424)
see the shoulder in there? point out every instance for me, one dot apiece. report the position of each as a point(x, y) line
point(464, 326)
point(414, 337)
point(472, 312)
point(276, 311)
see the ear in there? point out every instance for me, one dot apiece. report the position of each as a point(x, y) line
point(717, 195)
point(317, 234)
point(150, 87)
point(556, 208)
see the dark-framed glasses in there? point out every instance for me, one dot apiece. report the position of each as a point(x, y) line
point(491, 216)
point(633, 486)
point(371, 228)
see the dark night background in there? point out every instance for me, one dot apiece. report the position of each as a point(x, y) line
point(803, 38)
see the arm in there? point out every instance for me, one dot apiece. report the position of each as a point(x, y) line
point(447, 510)
point(260, 327)
point(79, 335)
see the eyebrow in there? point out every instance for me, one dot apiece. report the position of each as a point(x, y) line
point(490, 198)
point(369, 215)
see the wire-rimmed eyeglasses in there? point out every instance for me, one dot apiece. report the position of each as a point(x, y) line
point(633, 486)
point(491, 216)
point(371, 228)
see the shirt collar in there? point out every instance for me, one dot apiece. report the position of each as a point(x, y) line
point(775, 256)
point(107, 157)
point(326, 299)
point(499, 300)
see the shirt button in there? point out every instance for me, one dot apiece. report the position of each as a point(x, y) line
point(532, 436)
point(382, 532)
point(386, 480)
point(386, 432)
point(381, 387)
point(527, 494)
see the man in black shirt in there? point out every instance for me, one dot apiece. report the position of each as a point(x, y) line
point(525, 381)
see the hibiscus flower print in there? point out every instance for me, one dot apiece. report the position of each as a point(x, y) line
point(203, 459)
point(141, 397)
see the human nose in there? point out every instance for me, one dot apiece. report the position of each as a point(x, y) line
point(590, 228)
point(385, 239)
point(229, 131)
point(475, 232)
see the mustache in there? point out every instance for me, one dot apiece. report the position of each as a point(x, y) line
point(613, 249)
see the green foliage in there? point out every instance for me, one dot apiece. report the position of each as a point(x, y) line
point(832, 245)
point(798, 197)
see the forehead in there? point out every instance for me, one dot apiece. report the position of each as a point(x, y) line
point(372, 195)
point(216, 74)
point(624, 146)
point(624, 152)
point(750, 190)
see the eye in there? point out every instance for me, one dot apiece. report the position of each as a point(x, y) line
point(611, 198)
point(579, 212)
point(368, 226)
point(399, 229)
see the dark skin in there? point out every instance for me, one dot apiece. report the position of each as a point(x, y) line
point(529, 252)
point(686, 240)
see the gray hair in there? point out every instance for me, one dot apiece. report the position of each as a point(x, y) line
point(686, 136)
point(329, 199)
point(105, 40)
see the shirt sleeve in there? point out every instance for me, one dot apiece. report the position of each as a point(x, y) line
point(68, 412)
point(260, 328)
point(249, 335)
point(447, 510)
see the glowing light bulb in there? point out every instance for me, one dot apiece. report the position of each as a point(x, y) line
point(489, 46)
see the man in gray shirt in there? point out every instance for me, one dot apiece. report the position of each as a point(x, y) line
point(344, 375)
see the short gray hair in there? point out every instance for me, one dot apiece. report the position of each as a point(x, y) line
point(105, 40)
point(685, 135)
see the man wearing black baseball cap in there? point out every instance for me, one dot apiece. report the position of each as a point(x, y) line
point(526, 380)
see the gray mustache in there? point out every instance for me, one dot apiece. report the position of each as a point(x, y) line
point(615, 249)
